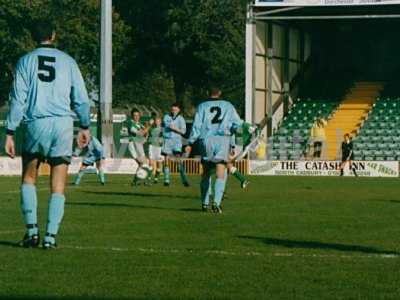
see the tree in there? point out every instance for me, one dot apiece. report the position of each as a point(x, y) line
point(78, 27)
point(198, 43)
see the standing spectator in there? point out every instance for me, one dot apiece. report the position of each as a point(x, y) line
point(318, 136)
point(347, 155)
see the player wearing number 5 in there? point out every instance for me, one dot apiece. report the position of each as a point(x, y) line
point(47, 84)
point(215, 122)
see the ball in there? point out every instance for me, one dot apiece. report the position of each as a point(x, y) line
point(141, 173)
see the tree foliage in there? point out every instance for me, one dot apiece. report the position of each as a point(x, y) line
point(163, 51)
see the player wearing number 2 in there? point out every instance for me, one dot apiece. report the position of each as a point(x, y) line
point(47, 83)
point(215, 122)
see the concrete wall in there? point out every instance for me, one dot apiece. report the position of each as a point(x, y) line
point(287, 48)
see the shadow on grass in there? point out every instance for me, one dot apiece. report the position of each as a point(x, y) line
point(319, 245)
point(132, 194)
point(124, 205)
point(96, 204)
point(10, 244)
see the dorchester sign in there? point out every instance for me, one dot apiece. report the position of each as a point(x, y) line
point(323, 2)
point(323, 168)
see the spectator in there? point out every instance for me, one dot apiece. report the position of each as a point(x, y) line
point(318, 136)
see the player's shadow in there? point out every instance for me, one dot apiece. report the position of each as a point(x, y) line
point(319, 245)
point(145, 195)
point(9, 244)
point(108, 204)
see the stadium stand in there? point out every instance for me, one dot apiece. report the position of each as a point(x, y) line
point(379, 136)
point(350, 114)
point(290, 139)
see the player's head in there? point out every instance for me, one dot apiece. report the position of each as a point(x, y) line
point(175, 109)
point(44, 32)
point(157, 121)
point(215, 93)
point(135, 115)
point(347, 137)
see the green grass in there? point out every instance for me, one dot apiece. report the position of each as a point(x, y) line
point(284, 238)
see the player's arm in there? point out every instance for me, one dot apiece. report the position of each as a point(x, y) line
point(80, 103)
point(18, 98)
point(235, 120)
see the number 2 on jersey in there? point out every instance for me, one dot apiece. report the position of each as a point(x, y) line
point(47, 72)
point(218, 112)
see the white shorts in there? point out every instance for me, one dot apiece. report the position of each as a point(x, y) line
point(155, 153)
point(136, 150)
point(238, 150)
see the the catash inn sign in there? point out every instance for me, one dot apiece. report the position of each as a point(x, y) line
point(323, 168)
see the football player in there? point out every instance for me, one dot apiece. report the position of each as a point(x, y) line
point(215, 121)
point(47, 83)
point(174, 127)
point(93, 155)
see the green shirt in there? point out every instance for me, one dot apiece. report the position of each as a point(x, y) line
point(242, 135)
point(133, 129)
point(155, 136)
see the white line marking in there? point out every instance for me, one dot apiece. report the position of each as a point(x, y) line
point(231, 253)
point(18, 191)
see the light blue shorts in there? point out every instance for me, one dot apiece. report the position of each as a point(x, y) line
point(49, 138)
point(215, 149)
point(172, 147)
point(91, 159)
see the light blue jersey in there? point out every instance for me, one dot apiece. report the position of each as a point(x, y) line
point(214, 118)
point(172, 139)
point(94, 152)
point(47, 83)
point(47, 89)
point(214, 124)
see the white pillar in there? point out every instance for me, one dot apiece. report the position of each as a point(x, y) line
point(250, 67)
point(106, 78)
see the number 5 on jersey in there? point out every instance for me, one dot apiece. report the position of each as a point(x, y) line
point(46, 70)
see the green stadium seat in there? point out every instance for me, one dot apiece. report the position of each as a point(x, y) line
point(376, 139)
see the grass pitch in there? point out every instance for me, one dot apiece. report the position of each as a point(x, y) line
point(283, 238)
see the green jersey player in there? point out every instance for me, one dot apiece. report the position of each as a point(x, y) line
point(137, 137)
point(155, 145)
point(239, 141)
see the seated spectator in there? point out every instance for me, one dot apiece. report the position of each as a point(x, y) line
point(318, 136)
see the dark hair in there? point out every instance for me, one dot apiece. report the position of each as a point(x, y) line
point(347, 135)
point(214, 91)
point(176, 104)
point(43, 30)
point(134, 110)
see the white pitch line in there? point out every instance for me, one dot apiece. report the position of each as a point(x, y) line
point(18, 191)
point(231, 253)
